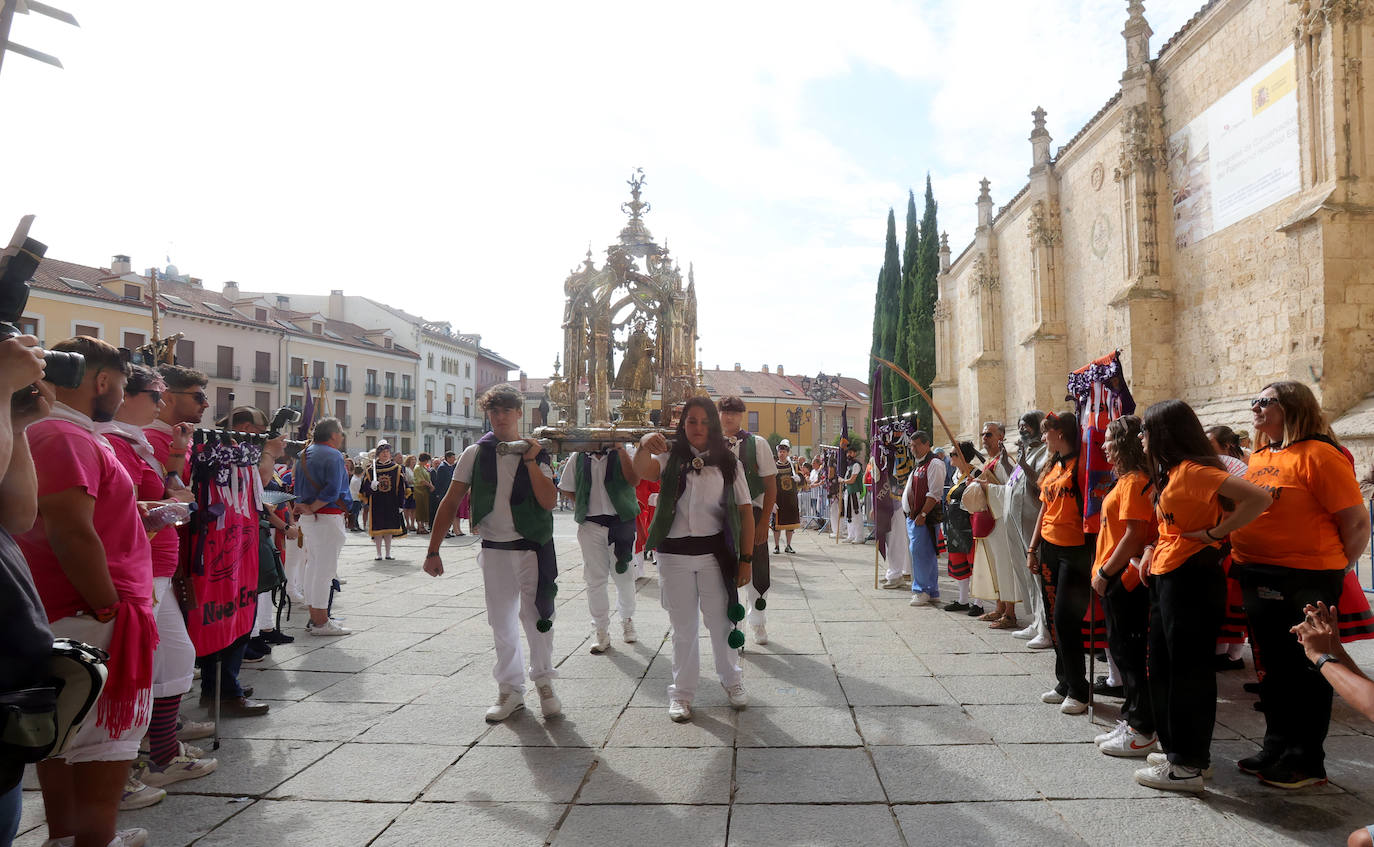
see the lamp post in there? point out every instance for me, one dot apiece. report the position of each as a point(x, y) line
point(821, 388)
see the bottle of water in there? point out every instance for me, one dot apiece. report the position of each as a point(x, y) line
point(168, 514)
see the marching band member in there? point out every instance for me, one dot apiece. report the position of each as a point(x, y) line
point(702, 529)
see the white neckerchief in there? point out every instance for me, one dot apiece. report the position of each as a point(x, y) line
point(161, 426)
point(134, 435)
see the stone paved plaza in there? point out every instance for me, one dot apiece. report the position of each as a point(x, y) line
point(870, 723)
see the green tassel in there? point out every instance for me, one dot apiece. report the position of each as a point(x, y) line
point(621, 567)
point(760, 604)
point(544, 625)
point(736, 639)
point(735, 612)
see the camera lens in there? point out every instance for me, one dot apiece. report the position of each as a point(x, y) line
point(65, 370)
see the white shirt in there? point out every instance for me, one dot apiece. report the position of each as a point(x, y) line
point(498, 525)
point(598, 501)
point(355, 487)
point(935, 484)
point(763, 456)
point(699, 510)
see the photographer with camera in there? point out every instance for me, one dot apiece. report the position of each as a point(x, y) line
point(90, 560)
point(23, 623)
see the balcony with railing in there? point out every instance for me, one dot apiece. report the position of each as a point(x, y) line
point(392, 392)
point(346, 420)
point(344, 386)
point(407, 425)
point(264, 377)
point(391, 424)
point(321, 383)
point(407, 394)
point(372, 423)
point(217, 371)
point(296, 380)
point(372, 389)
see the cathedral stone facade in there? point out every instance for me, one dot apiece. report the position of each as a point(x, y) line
point(1214, 221)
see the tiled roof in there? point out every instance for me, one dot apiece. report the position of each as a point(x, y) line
point(194, 300)
point(1174, 39)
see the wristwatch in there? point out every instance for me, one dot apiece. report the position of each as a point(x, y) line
point(432, 555)
point(746, 558)
point(1324, 658)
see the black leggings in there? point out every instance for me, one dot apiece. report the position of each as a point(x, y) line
point(1067, 577)
point(1186, 607)
point(1128, 628)
point(1297, 698)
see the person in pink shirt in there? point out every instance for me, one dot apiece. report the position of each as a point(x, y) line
point(174, 662)
point(91, 562)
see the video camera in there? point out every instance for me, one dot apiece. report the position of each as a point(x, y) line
point(17, 265)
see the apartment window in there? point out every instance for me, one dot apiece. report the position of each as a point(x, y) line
point(29, 326)
point(341, 382)
point(429, 400)
point(297, 401)
point(132, 291)
point(448, 405)
point(134, 340)
point(86, 329)
point(186, 353)
point(317, 328)
point(754, 422)
point(429, 444)
point(340, 409)
point(467, 407)
point(260, 315)
point(224, 362)
point(372, 442)
point(263, 400)
point(224, 400)
point(390, 381)
point(467, 370)
point(405, 445)
point(262, 367)
point(429, 361)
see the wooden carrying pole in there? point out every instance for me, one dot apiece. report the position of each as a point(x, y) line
point(914, 384)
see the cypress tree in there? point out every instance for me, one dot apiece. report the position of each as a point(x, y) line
point(892, 273)
point(883, 319)
point(896, 388)
point(921, 342)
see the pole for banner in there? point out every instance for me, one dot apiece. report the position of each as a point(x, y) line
point(914, 384)
point(875, 558)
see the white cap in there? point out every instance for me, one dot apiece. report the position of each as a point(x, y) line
point(785, 443)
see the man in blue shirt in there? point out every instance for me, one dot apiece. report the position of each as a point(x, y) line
point(322, 502)
point(442, 479)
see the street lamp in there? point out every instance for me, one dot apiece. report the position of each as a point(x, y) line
point(822, 388)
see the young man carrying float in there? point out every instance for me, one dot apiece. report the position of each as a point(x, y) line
point(512, 503)
point(702, 520)
point(602, 484)
point(760, 472)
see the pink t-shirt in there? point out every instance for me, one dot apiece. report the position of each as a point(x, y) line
point(67, 456)
point(161, 442)
point(149, 486)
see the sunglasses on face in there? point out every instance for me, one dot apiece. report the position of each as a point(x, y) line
point(155, 395)
point(1262, 403)
point(198, 395)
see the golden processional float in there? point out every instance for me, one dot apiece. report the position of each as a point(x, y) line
point(631, 326)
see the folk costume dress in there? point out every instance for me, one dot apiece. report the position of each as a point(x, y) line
point(787, 515)
point(516, 558)
point(696, 534)
point(606, 511)
point(1016, 506)
point(385, 490)
point(758, 463)
point(997, 551)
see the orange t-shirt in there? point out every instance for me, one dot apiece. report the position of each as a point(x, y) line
point(1188, 503)
point(1129, 500)
point(1063, 521)
point(1310, 481)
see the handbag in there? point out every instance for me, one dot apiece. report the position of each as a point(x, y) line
point(40, 722)
point(271, 574)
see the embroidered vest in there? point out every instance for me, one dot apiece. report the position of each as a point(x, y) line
point(622, 496)
point(748, 453)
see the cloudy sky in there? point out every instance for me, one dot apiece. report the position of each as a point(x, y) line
point(457, 158)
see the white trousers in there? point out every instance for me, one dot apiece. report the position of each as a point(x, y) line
point(598, 567)
point(296, 558)
point(690, 586)
point(266, 618)
point(856, 525)
point(511, 578)
point(1029, 584)
point(324, 536)
point(835, 517)
point(753, 616)
point(174, 661)
point(898, 548)
point(94, 743)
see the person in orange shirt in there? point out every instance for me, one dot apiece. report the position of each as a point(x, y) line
point(1128, 525)
point(1295, 554)
point(1063, 556)
point(1187, 588)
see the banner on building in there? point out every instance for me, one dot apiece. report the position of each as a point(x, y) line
point(1239, 156)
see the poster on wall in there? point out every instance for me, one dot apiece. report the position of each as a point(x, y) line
point(1239, 156)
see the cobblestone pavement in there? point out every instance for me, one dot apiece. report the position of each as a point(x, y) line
point(870, 723)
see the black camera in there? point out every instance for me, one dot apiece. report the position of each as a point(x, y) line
point(17, 265)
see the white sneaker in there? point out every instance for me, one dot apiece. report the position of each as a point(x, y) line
point(192, 730)
point(1025, 634)
point(627, 626)
point(329, 627)
point(507, 703)
point(1129, 744)
point(601, 643)
point(1113, 733)
point(191, 751)
point(123, 838)
point(181, 767)
point(1169, 777)
point(1040, 642)
point(735, 694)
point(1162, 758)
point(549, 704)
point(1071, 706)
point(679, 711)
point(138, 795)
point(760, 635)
point(1052, 696)
point(920, 598)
